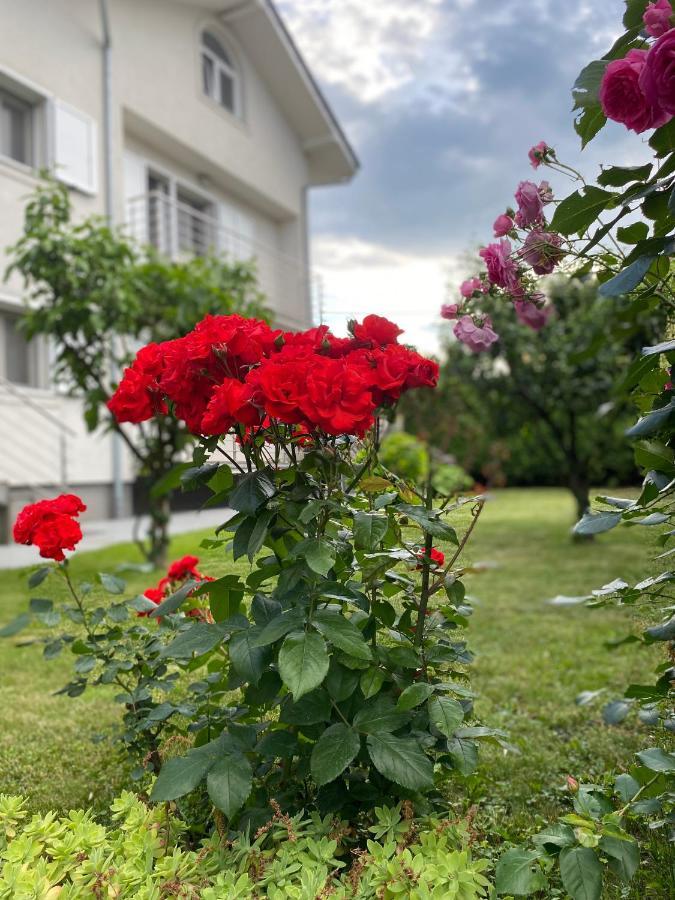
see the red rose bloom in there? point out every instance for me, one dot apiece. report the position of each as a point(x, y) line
point(183, 568)
point(377, 330)
point(230, 403)
point(279, 384)
point(50, 525)
point(138, 396)
point(337, 397)
point(437, 558)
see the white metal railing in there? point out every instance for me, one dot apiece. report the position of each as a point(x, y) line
point(34, 445)
point(181, 229)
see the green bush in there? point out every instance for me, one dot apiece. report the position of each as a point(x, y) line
point(451, 479)
point(405, 456)
point(139, 856)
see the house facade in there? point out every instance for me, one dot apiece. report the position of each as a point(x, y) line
point(196, 124)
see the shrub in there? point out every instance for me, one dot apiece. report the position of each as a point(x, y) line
point(405, 456)
point(139, 857)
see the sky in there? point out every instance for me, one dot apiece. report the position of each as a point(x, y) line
point(441, 100)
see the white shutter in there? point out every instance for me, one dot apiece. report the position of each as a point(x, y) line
point(74, 147)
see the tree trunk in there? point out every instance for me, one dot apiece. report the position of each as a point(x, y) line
point(578, 485)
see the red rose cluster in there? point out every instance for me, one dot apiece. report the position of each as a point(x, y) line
point(177, 574)
point(50, 525)
point(230, 370)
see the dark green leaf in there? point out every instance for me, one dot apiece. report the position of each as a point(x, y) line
point(174, 602)
point(40, 605)
point(627, 279)
point(624, 856)
point(259, 533)
point(464, 755)
point(634, 233)
point(252, 491)
point(663, 139)
point(446, 714)
point(589, 123)
point(15, 626)
point(229, 783)
point(318, 555)
point(581, 873)
point(280, 626)
point(652, 421)
point(170, 481)
point(596, 523)
point(341, 682)
point(333, 752)
point(182, 774)
point(369, 530)
point(111, 583)
point(617, 176)
point(657, 760)
point(371, 681)
point(199, 638)
point(587, 86)
point(313, 708)
point(264, 609)
point(303, 662)
point(576, 212)
point(247, 659)
point(225, 596)
point(38, 576)
point(222, 480)
point(340, 631)
point(401, 760)
point(379, 716)
point(278, 745)
point(654, 455)
point(414, 695)
point(518, 873)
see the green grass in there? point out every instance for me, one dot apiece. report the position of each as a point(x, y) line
point(531, 662)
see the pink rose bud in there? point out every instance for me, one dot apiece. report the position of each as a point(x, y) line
point(572, 785)
point(546, 192)
point(538, 154)
point(658, 18)
point(469, 287)
point(450, 310)
point(502, 225)
point(631, 95)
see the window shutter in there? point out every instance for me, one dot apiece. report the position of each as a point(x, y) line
point(74, 147)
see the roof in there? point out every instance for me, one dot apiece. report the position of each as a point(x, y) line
point(261, 31)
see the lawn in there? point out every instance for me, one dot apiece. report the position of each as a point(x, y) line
point(532, 660)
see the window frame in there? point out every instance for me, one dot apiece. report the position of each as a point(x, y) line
point(26, 109)
point(220, 67)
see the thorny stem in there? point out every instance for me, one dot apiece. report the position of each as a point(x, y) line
point(426, 563)
point(475, 513)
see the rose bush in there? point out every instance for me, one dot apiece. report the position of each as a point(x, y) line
point(335, 671)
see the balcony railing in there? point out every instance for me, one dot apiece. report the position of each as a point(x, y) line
point(180, 230)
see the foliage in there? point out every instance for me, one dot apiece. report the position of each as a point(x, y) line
point(95, 294)
point(139, 855)
point(405, 456)
point(548, 398)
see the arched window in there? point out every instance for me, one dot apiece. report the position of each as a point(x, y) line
point(220, 80)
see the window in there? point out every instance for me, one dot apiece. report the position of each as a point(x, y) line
point(19, 363)
point(159, 212)
point(16, 128)
point(219, 76)
point(195, 224)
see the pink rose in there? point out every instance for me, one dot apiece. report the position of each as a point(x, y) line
point(541, 250)
point(476, 337)
point(657, 78)
point(545, 192)
point(530, 207)
point(500, 266)
point(623, 93)
point(502, 225)
point(538, 154)
point(450, 310)
point(531, 315)
point(469, 287)
point(657, 18)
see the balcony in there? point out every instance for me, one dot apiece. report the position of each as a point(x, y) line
point(181, 228)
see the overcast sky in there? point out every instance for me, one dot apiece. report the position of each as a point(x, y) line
point(441, 100)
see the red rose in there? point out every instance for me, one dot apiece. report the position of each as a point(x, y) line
point(138, 396)
point(183, 568)
point(50, 525)
point(657, 78)
point(336, 397)
point(230, 404)
point(437, 558)
point(279, 384)
point(622, 94)
point(377, 330)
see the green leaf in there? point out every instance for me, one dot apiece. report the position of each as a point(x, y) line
point(429, 522)
point(634, 233)
point(333, 752)
point(38, 576)
point(615, 712)
point(576, 212)
point(196, 640)
point(264, 609)
point(652, 421)
point(627, 279)
point(169, 481)
point(281, 625)
point(182, 774)
point(195, 476)
point(413, 695)
point(303, 662)
point(464, 755)
point(278, 745)
point(341, 682)
point(596, 523)
point(369, 530)
point(15, 626)
point(557, 835)
point(310, 710)
point(111, 583)
point(654, 455)
point(401, 760)
point(175, 601)
point(380, 715)
point(222, 480)
point(342, 633)
point(518, 873)
point(589, 123)
point(259, 533)
point(617, 176)
point(635, 10)
point(371, 682)
point(225, 596)
point(581, 873)
point(248, 660)
point(624, 856)
point(587, 86)
point(40, 605)
point(229, 783)
point(318, 555)
point(446, 714)
point(663, 139)
point(252, 491)
point(657, 760)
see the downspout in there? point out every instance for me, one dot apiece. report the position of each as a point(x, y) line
point(116, 449)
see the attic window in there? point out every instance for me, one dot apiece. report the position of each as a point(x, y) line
point(220, 80)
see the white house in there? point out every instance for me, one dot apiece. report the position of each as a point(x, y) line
point(196, 123)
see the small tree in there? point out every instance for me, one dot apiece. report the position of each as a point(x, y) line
point(96, 294)
point(543, 394)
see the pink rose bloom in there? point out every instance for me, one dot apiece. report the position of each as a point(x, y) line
point(531, 315)
point(476, 337)
point(502, 225)
point(537, 154)
point(530, 207)
point(545, 192)
point(469, 287)
point(657, 18)
point(450, 310)
point(657, 78)
point(541, 250)
point(500, 266)
point(623, 93)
